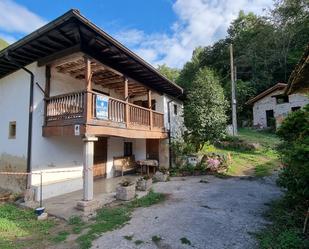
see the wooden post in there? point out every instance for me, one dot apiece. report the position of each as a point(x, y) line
point(88, 87)
point(150, 109)
point(233, 100)
point(126, 98)
point(47, 92)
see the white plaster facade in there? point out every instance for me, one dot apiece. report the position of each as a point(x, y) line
point(280, 111)
point(53, 154)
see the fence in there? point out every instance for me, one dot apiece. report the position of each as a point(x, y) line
point(41, 173)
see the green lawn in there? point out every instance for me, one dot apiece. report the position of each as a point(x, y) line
point(260, 162)
point(19, 228)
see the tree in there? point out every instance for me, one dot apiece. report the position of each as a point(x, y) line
point(3, 44)
point(204, 109)
point(190, 69)
point(170, 73)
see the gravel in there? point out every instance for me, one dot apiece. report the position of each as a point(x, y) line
point(210, 214)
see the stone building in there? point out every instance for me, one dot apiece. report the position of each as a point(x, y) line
point(272, 106)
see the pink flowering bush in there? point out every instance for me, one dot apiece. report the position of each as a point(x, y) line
point(213, 164)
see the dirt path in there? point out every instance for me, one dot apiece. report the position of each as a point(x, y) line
point(219, 214)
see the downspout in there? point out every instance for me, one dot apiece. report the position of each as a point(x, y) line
point(169, 131)
point(169, 134)
point(30, 117)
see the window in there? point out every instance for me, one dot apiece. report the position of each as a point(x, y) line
point(127, 149)
point(295, 108)
point(175, 109)
point(12, 130)
point(282, 99)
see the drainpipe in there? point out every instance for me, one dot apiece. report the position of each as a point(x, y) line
point(169, 130)
point(169, 134)
point(29, 148)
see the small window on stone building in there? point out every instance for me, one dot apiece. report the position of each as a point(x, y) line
point(175, 110)
point(128, 149)
point(12, 130)
point(295, 108)
point(282, 99)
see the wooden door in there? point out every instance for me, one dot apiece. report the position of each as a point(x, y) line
point(100, 157)
point(152, 149)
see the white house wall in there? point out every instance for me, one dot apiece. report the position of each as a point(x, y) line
point(14, 106)
point(280, 110)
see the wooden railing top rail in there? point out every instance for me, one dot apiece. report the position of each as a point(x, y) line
point(64, 95)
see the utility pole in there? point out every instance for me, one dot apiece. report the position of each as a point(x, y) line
point(233, 100)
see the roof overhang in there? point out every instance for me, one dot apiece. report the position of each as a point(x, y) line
point(72, 33)
point(299, 78)
point(278, 86)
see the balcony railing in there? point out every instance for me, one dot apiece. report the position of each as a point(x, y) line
point(65, 106)
point(73, 105)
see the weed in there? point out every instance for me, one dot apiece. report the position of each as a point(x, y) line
point(185, 241)
point(20, 227)
point(138, 242)
point(285, 230)
point(156, 238)
point(61, 236)
point(127, 237)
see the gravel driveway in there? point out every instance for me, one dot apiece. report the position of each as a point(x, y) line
point(215, 215)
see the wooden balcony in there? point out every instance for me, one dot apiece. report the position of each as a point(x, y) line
point(64, 112)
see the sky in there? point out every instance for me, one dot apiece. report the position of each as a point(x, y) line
point(160, 31)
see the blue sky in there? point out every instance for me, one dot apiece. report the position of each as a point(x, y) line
point(161, 31)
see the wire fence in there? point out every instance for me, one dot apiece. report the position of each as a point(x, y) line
point(40, 174)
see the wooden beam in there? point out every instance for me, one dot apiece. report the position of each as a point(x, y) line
point(88, 87)
point(58, 56)
point(46, 91)
point(126, 98)
point(150, 108)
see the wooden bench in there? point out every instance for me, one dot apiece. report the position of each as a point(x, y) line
point(124, 164)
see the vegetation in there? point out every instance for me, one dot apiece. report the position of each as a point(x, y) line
point(239, 155)
point(287, 215)
point(266, 49)
point(294, 150)
point(285, 230)
point(204, 110)
point(185, 241)
point(19, 228)
point(3, 44)
point(18, 225)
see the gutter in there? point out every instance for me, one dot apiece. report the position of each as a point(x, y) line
point(30, 116)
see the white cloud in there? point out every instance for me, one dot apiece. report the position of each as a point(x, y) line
point(17, 18)
point(8, 38)
point(199, 23)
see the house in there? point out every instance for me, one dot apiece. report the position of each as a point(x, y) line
point(72, 101)
point(271, 106)
point(299, 78)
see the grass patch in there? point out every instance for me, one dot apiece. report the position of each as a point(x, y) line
point(185, 241)
point(259, 162)
point(77, 224)
point(156, 238)
point(111, 218)
point(61, 236)
point(20, 227)
point(138, 242)
point(285, 232)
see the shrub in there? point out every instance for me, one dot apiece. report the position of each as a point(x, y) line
point(294, 150)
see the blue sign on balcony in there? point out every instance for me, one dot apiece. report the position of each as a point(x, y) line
point(101, 107)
